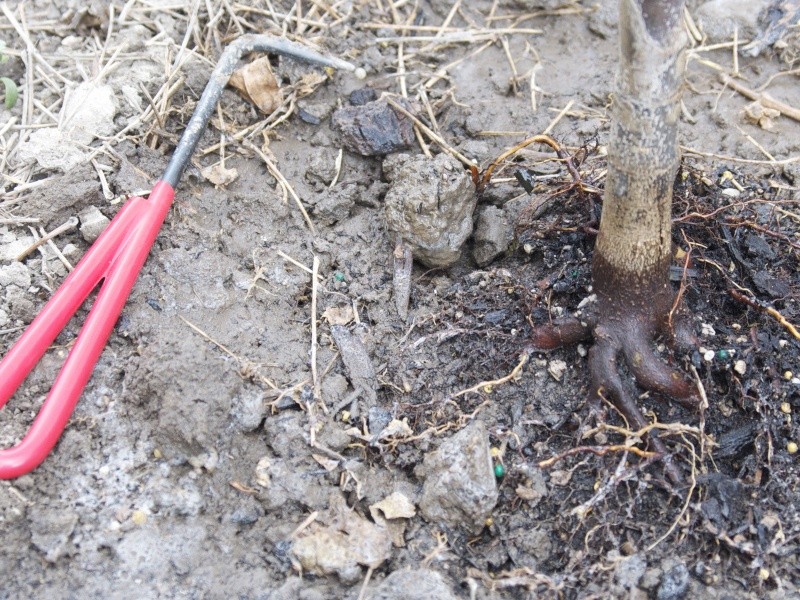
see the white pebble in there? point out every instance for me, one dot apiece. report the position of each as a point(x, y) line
point(708, 356)
point(360, 73)
point(740, 367)
point(707, 330)
point(557, 368)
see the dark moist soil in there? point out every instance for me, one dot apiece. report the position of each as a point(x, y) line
point(197, 458)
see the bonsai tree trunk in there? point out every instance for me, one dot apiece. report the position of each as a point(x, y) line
point(630, 268)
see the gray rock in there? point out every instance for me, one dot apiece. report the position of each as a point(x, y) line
point(531, 547)
point(417, 584)
point(51, 530)
point(629, 571)
point(430, 206)
point(16, 274)
point(333, 205)
point(378, 418)
point(531, 5)
point(374, 129)
point(460, 488)
point(493, 235)
point(357, 362)
point(93, 222)
point(321, 166)
point(248, 409)
point(674, 584)
point(719, 18)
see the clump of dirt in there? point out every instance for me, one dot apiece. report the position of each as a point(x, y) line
point(263, 423)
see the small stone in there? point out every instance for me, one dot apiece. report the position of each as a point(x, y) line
point(719, 18)
point(16, 274)
point(417, 584)
point(786, 408)
point(429, 206)
point(93, 223)
point(740, 367)
point(71, 252)
point(207, 459)
point(707, 330)
point(363, 96)
point(791, 447)
point(787, 375)
point(630, 571)
point(263, 469)
point(708, 355)
point(460, 488)
point(674, 584)
point(557, 368)
point(375, 128)
point(51, 531)
point(378, 418)
point(248, 410)
point(493, 234)
point(731, 192)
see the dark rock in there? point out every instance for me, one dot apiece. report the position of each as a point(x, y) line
point(374, 129)
point(307, 117)
point(768, 284)
point(363, 96)
point(758, 246)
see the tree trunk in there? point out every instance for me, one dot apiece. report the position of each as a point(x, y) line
point(634, 246)
point(630, 267)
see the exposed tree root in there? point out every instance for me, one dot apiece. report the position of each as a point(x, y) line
point(625, 344)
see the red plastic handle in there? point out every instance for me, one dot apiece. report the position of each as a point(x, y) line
point(117, 257)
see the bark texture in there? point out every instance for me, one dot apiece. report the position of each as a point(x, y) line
point(630, 268)
point(643, 156)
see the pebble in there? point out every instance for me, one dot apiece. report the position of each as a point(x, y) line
point(557, 368)
point(674, 584)
point(719, 18)
point(740, 367)
point(93, 223)
point(429, 206)
point(374, 128)
point(460, 488)
point(51, 530)
point(493, 234)
point(416, 584)
point(16, 274)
